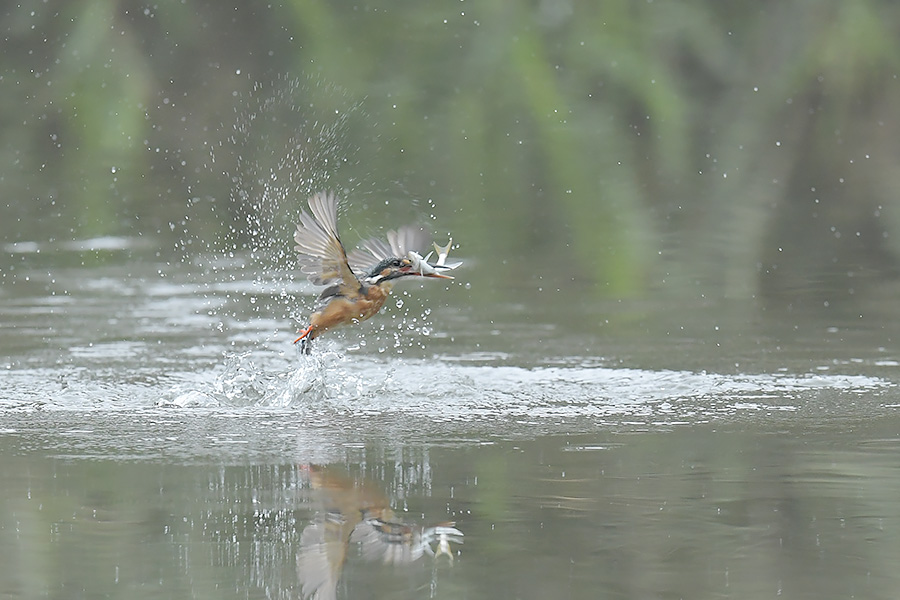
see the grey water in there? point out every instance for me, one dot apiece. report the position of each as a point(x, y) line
point(158, 430)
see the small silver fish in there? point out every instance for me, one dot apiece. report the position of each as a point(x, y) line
point(421, 265)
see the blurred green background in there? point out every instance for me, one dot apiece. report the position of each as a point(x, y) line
point(693, 148)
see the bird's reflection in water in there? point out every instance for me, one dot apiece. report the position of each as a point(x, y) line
point(354, 513)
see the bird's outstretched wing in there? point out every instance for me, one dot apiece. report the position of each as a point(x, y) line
point(373, 250)
point(323, 551)
point(323, 256)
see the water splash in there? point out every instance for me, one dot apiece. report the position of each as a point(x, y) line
point(289, 137)
point(321, 378)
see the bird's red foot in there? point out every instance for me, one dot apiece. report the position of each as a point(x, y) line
point(304, 333)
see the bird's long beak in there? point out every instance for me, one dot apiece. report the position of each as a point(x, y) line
point(427, 271)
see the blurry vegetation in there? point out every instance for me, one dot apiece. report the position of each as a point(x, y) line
point(699, 147)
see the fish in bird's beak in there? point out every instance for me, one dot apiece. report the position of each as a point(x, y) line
point(421, 266)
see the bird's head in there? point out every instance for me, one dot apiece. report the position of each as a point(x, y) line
point(391, 269)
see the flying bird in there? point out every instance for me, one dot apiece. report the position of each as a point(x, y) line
point(358, 284)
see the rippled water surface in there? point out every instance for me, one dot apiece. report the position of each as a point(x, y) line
point(161, 437)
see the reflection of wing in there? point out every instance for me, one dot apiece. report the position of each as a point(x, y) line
point(391, 543)
point(359, 513)
point(317, 238)
point(323, 550)
point(397, 245)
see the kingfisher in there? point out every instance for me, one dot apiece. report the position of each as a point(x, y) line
point(358, 284)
